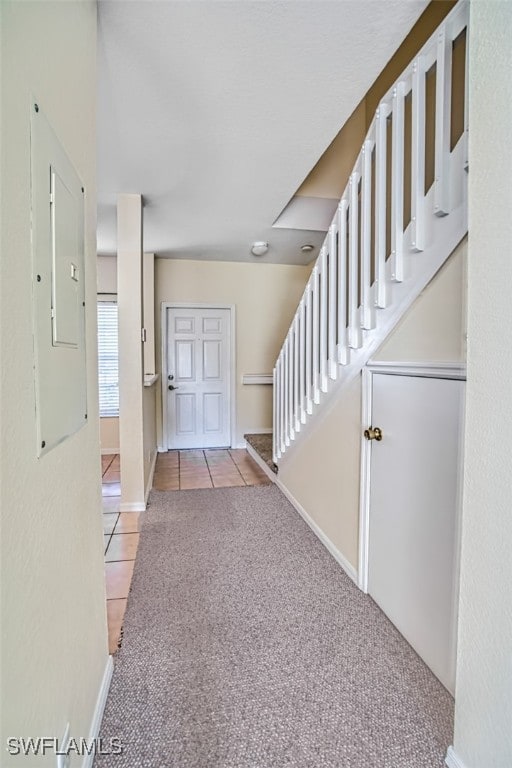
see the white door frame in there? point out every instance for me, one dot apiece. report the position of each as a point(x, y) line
point(430, 370)
point(232, 351)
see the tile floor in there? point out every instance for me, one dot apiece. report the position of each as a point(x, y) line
point(213, 468)
point(175, 470)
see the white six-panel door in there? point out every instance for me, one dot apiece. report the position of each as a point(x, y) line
point(414, 509)
point(198, 377)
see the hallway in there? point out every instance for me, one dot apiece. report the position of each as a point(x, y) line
point(247, 646)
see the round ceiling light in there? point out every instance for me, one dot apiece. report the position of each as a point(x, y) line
point(259, 248)
point(307, 248)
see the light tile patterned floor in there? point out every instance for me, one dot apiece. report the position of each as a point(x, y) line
point(175, 470)
point(211, 468)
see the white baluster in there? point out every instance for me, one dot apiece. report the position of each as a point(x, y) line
point(381, 206)
point(397, 185)
point(302, 362)
point(291, 392)
point(418, 156)
point(466, 105)
point(275, 416)
point(333, 258)
point(296, 373)
point(316, 334)
point(443, 120)
point(354, 326)
point(281, 401)
point(309, 348)
point(343, 350)
point(286, 394)
point(323, 319)
point(367, 307)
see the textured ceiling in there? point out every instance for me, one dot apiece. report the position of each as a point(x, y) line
point(216, 110)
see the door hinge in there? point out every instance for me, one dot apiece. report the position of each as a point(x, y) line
point(143, 335)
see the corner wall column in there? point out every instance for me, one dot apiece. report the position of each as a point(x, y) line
point(129, 299)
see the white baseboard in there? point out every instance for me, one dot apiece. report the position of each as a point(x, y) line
point(109, 451)
point(135, 506)
point(149, 484)
point(340, 559)
point(258, 431)
point(259, 461)
point(452, 760)
point(99, 709)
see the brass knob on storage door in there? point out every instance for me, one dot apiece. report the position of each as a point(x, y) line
point(373, 433)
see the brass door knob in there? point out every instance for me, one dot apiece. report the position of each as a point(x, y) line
point(373, 433)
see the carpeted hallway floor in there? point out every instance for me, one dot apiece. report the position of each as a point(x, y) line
point(246, 646)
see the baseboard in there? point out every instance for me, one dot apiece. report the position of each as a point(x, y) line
point(135, 506)
point(109, 451)
point(452, 760)
point(149, 484)
point(258, 431)
point(99, 709)
point(261, 464)
point(340, 559)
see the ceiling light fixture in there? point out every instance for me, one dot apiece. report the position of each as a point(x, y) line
point(307, 248)
point(259, 248)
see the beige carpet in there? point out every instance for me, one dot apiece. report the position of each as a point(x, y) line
point(246, 646)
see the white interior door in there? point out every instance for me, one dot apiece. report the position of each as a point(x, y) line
point(414, 507)
point(198, 377)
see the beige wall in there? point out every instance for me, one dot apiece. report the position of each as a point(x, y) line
point(149, 429)
point(109, 434)
point(265, 296)
point(54, 642)
point(107, 274)
point(322, 472)
point(483, 699)
point(435, 326)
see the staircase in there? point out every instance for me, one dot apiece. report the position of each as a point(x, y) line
point(402, 214)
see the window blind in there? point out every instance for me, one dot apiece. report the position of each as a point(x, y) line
point(108, 369)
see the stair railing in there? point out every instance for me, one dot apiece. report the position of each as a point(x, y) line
point(370, 247)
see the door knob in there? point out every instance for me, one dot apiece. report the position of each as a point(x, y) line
point(373, 433)
point(171, 387)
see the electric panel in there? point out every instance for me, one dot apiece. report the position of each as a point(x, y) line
point(58, 288)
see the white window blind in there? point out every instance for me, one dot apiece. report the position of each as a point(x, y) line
point(108, 370)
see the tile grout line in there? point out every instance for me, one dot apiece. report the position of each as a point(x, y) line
point(109, 465)
point(228, 451)
point(208, 468)
point(237, 469)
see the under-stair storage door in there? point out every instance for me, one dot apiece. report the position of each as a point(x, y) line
point(198, 377)
point(414, 512)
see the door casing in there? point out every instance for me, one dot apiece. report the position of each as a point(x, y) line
point(165, 305)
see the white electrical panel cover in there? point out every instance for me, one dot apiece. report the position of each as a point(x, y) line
point(58, 288)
